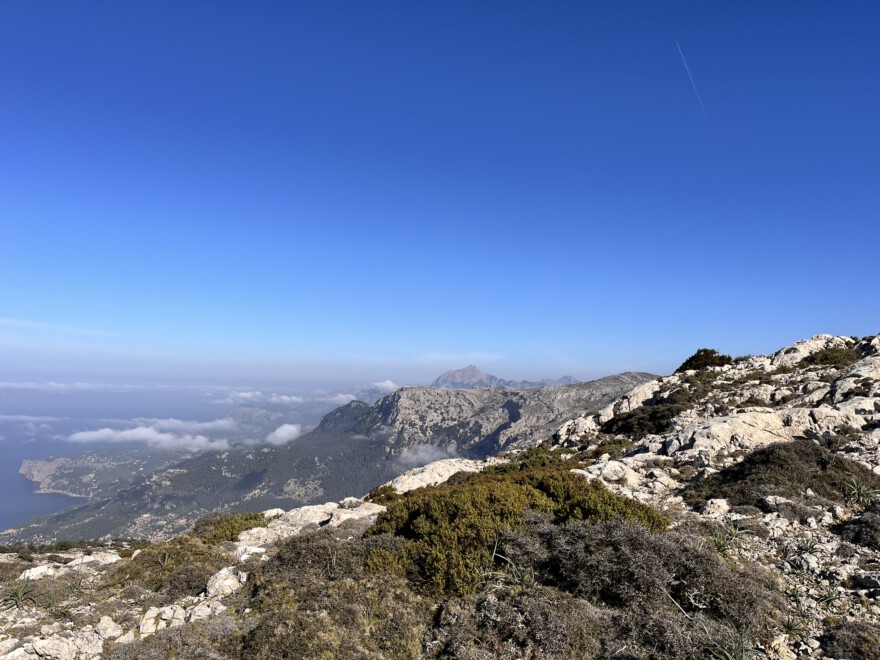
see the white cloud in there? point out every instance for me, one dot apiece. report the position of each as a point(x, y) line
point(28, 418)
point(239, 398)
point(284, 434)
point(286, 399)
point(386, 386)
point(152, 436)
point(186, 426)
point(57, 387)
point(338, 399)
point(422, 455)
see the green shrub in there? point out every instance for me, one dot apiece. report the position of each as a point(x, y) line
point(383, 495)
point(704, 358)
point(657, 594)
point(454, 527)
point(831, 357)
point(175, 568)
point(216, 528)
point(374, 617)
point(786, 469)
point(644, 420)
point(536, 457)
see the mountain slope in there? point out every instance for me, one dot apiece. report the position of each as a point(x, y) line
point(353, 449)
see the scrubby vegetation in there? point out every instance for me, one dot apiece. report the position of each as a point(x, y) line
point(655, 415)
point(216, 527)
point(831, 357)
point(863, 529)
point(453, 527)
point(704, 358)
point(852, 640)
point(786, 470)
point(175, 568)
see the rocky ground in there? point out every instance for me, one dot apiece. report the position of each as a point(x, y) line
point(777, 457)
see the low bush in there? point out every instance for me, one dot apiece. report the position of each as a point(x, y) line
point(453, 527)
point(704, 358)
point(375, 617)
point(785, 469)
point(644, 420)
point(176, 568)
point(216, 527)
point(831, 357)
point(852, 640)
point(212, 639)
point(543, 622)
point(862, 530)
point(604, 587)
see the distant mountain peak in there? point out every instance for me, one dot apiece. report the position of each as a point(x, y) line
point(472, 376)
point(469, 376)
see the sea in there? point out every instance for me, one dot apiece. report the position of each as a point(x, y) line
point(36, 419)
point(19, 500)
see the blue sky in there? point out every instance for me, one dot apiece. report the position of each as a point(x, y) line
point(348, 190)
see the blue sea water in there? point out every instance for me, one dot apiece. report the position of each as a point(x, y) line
point(19, 500)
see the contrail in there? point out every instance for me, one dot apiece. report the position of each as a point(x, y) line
point(694, 85)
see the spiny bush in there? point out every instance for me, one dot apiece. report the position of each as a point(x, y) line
point(607, 586)
point(786, 469)
point(863, 529)
point(536, 457)
point(704, 358)
point(217, 638)
point(831, 357)
point(644, 420)
point(858, 640)
point(321, 558)
point(655, 415)
point(215, 527)
point(322, 597)
point(373, 617)
point(453, 527)
point(542, 622)
point(175, 568)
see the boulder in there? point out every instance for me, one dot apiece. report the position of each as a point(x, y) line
point(107, 628)
point(226, 581)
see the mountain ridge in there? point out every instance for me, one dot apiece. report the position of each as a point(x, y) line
point(472, 376)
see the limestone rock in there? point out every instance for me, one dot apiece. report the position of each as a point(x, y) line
point(790, 356)
point(716, 507)
point(226, 581)
point(205, 609)
point(107, 628)
point(434, 473)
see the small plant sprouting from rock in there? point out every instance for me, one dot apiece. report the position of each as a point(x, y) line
point(727, 536)
point(806, 546)
point(795, 627)
point(18, 597)
point(858, 492)
point(164, 561)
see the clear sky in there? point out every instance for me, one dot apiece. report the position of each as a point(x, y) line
point(370, 190)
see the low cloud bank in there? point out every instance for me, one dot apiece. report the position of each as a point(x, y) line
point(152, 437)
point(422, 455)
point(284, 434)
point(286, 399)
